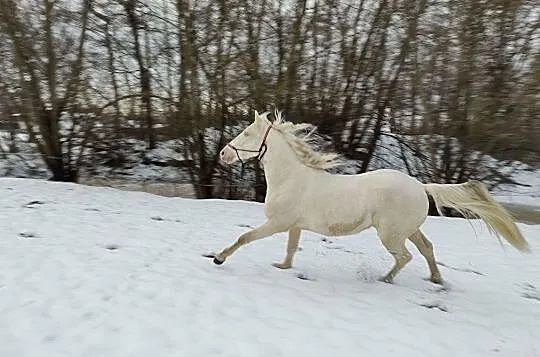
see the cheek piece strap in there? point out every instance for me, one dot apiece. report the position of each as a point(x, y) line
point(261, 151)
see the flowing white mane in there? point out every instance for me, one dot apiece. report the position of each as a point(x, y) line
point(300, 145)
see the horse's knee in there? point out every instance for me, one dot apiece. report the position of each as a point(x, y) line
point(243, 239)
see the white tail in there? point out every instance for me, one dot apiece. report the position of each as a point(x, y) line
point(473, 200)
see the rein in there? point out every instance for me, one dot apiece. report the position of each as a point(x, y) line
point(261, 151)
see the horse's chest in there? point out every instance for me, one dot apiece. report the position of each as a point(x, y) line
point(278, 205)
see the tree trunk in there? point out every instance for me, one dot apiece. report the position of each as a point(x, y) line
point(145, 80)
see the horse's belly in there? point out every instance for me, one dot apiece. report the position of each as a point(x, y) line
point(346, 228)
point(338, 225)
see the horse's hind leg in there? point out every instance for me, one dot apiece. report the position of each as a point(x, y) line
point(395, 245)
point(426, 249)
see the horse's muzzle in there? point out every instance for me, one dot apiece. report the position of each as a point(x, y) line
point(227, 155)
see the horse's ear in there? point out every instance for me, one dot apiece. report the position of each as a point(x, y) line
point(258, 118)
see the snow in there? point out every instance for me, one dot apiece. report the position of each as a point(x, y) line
point(88, 271)
point(528, 192)
point(25, 163)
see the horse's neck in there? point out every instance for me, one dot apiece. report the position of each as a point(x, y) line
point(280, 162)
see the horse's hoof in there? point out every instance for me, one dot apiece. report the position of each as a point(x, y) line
point(435, 280)
point(217, 261)
point(282, 265)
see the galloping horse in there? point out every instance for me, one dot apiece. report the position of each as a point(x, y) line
point(303, 195)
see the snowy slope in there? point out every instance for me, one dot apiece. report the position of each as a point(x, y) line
point(88, 271)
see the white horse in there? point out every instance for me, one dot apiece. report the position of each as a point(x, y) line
point(302, 195)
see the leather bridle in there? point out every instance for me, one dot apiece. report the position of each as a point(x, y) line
point(261, 151)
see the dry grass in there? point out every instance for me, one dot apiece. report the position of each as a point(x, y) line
point(166, 189)
point(524, 213)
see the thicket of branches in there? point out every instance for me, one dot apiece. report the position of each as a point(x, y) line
point(85, 74)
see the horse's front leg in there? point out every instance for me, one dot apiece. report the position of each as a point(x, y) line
point(266, 230)
point(292, 246)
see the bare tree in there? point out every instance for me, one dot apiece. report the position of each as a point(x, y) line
point(49, 62)
point(447, 80)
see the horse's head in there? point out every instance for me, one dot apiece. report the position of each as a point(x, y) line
point(250, 143)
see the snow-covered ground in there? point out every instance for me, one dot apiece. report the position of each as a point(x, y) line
point(528, 193)
point(87, 271)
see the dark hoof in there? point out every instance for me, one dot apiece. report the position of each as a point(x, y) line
point(386, 279)
point(217, 261)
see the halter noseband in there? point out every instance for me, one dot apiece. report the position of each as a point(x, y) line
point(261, 151)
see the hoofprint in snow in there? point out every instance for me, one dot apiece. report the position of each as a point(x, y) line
point(87, 271)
